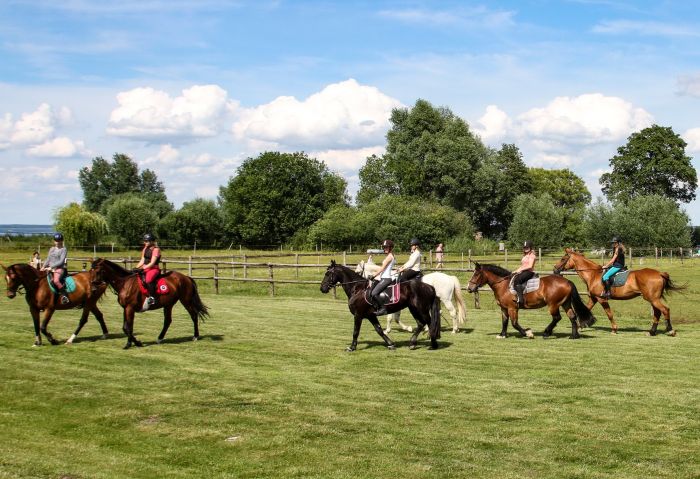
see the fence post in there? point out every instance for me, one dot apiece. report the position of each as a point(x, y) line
point(506, 253)
point(165, 267)
point(656, 254)
point(681, 251)
point(345, 259)
point(631, 257)
point(462, 259)
point(470, 258)
point(477, 300)
point(216, 277)
point(431, 258)
point(189, 265)
point(245, 266)
point(296, 262)
point(272, 281)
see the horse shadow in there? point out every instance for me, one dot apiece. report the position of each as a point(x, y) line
point(98, 337)
point(188, 339)
point(401, 344)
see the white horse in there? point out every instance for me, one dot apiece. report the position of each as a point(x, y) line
point(446, 287)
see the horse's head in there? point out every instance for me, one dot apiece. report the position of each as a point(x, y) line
point(477, 280)
point(360, 268)
point(16, 277)
point(331, 278)
point(565, 263)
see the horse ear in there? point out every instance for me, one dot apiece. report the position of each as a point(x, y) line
point(332, 262)
point(477, 264)
point(568, 250)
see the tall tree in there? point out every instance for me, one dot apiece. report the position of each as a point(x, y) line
point(276, 194)
point(567, 189)
point(103, 179)
point(130, 217)
point(653, 162)
point(80, 227)
point(198, 220)
point(537, 219)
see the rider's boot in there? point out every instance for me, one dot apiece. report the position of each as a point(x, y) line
point(379, 308)
point(63, 296)
point(519, 297)
point(151, 287)
point(607, 285)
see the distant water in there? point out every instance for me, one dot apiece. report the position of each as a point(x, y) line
point(25, 230)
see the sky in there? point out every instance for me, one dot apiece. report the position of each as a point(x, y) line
point(191, 88)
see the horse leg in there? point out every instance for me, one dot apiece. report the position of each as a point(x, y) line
point(195, 320)
point(420, 325)
point(556, 317)
point(608, 311)
point(404, 327)
point(355, 333)
point(167, 319)
point(37, 328)
point(389, 319)
point(378, 328)
point(81, 323)
point(504, 324)
point(660, 308)
point(100, 319)
point(48, 312)
point(513, 313)
point(453, 315)
point(129, 327)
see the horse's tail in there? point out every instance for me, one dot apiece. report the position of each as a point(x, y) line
point(585, 317)
point(201, 310)
point(434, 328)
point(461, 309)
point(669, 285)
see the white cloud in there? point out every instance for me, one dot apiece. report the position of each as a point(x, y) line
point(343, 115)
point(149, 114)
point(476, 17)
point(557, 161)
point(61, 147)
point(494, 125)
point(689, 85)
point(621, 27)
point(347, 160)
point(692, 137)
point(167, 155)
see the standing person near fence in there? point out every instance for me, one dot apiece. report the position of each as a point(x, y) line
point(411, 269)
point(55, 264)
point(150, 259)
point(439, 255)
point(35, 260)
point(525, 271)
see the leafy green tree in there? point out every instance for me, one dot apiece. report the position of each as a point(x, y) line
point(276, 194)
point(129, 217)
point(160, 206)
point(599, 223)
point(538, 219)
point(199, 220)
point(103, 180)
point(431, 154)
point(653, 162)
point(78, 226)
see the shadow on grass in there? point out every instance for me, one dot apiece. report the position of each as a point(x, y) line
point(188, 339)
point(422, 344)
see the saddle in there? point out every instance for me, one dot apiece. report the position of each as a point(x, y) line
point(161, 285)
point(67, 280)
point(533, 284)
point(391, 295)
point(620, 278)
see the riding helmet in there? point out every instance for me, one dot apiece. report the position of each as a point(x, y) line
point(414, 241)
point(149, 237)
point(527, 244)
point(616, 239)
point(58, 237)
point(388, 244)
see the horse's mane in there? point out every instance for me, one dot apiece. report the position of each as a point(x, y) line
point(353, 275)
point(23, 267)
point(116, 268)
point(495, 269)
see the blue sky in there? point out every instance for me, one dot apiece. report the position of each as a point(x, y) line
point(191, 88)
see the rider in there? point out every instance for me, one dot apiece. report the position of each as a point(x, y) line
point(525, 271)
point(616, 263)
point(384, 274)
point(150, 257)
point(55, 264)
point(411, 269)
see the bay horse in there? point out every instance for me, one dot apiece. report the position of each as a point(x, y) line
point(447, 288)
point(646, 282)
point(419, 298)
point(40, 298)
point(126, 285)
point(554, 292)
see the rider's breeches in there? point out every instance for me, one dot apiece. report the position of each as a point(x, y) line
point(56, 278)
point(379, 287)
point(151, 274)
point(609, 273)
point(521, 279)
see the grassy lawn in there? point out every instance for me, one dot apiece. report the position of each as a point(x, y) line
point(270, 392)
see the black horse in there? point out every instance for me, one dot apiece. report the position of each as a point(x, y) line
point(420, 298)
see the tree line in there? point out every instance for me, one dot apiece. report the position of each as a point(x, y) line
point(437, 181)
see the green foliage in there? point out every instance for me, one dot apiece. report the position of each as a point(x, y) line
point(389, 217)
point(103, 180)
point(80, 227)
point(566, 188)
point(160, 206)
point(276, 194)
point(653, 162)
point(376, 180)
point(199, 220)
point(600, 223)
point(129, 217)
point(537, 219)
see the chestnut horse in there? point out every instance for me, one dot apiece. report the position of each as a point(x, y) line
point(41, 298)
point(554, 292)
point(418, 297)
point(126, 284)
point(646, 282)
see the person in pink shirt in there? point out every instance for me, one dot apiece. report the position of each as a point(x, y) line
point(150, 259)
point(525, 271)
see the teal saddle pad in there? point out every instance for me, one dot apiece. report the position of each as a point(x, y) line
point(621, 278)
point(69, 281)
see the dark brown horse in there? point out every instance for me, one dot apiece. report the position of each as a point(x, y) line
point(419, 298)
point(646, 282)
point(554, 292)
point(41, 298)
point(126, 284)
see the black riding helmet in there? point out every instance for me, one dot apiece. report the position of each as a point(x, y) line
point(149, 237)
point(414, 242)
point(616, 239)
point(58, 237)
point(527, 244)
point(388, 244)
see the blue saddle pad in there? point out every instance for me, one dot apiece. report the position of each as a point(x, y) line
point(620, 278)
point(70, 284)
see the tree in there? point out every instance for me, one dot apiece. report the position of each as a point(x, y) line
point(536, 218)
point(103, 180)
point(199, 220)
point(431, 154)
point(130, 217)
point(653, 162)
point(276, 194)
point(78, 226)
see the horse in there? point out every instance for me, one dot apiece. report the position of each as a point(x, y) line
point(446, 287)
point(554, 292)
point(646, 282)
point(419, 298)
point(41, 298)
point(126, 285)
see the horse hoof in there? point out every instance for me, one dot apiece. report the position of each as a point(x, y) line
point(159, 341)
point(36, 345)
point(545, 336)
point(349, 349)
point(409, 329)
point(412, 347)
point(138, 344)
point(501, 336)
point(671, 333)
point(391, 347)
point(455, 331)
point(387, 331)
point(68, 342)
point(55, 342)
point(104, 336)
point(650, 333)
point(195, 338)
point(127, 346)
point(529, 334)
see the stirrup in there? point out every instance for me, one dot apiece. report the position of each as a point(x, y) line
point(151, 300)
point(64, 299)
point(381, 311)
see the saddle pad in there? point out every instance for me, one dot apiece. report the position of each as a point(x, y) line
point(620, 278)
point(533, 284)
point(394, 293)
point(161, 286)
point(69, 281)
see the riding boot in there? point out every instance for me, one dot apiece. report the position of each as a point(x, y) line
point(379, 308)
point(607, 285)
point(519, 296)
point(63, 296)
point(151, 287)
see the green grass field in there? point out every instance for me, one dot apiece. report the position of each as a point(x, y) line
point(270, 392)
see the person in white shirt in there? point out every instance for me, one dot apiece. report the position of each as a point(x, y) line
point(384, 275)
point(411, 269)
